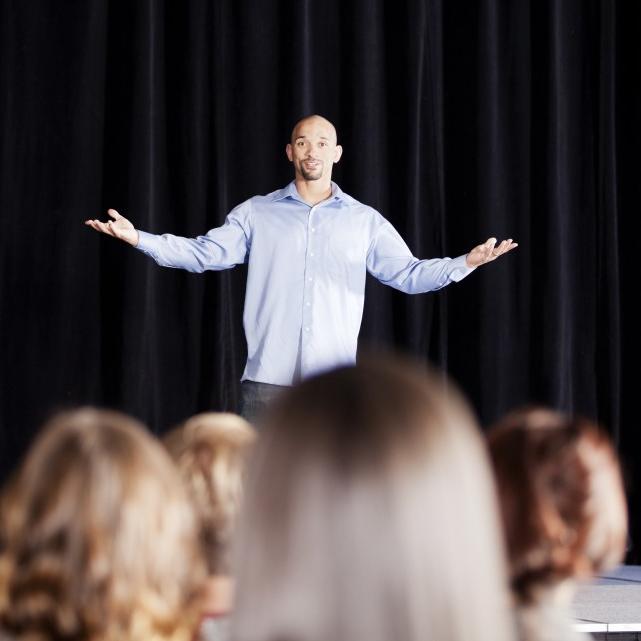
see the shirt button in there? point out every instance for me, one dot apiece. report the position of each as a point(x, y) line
point(310, 279)
point(308, 304)
point(312, 253)
point(307, 329)
point(313, 228)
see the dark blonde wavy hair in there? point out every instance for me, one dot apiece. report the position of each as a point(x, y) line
point(562, 498)
point(210, 450)
point(100, 542)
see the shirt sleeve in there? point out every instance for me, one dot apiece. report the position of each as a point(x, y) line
point(392, 263)
point(220, 248)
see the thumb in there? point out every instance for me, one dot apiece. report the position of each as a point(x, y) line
point(114, 214)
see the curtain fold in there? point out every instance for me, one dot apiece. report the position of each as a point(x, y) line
point(459, 121)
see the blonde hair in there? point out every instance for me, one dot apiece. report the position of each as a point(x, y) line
point(370, 514)
point(99, 539)
point(561, 495)
point(210, 450)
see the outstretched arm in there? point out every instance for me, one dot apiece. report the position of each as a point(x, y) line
point(220, 248)
point(119, 227)
point(390, 261)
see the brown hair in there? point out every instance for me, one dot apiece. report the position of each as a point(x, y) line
point(561, 495)
point(100, 541)
point(370, 514)
point(210, 451)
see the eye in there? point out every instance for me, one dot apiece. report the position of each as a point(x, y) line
point(322, 144)
point(300, 143)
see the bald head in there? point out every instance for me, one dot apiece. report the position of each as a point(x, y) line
point(315, 123)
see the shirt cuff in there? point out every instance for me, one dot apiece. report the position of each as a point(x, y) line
point(459, 269)
point(146, 242)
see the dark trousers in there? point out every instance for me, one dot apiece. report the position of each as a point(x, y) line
point(255, 397)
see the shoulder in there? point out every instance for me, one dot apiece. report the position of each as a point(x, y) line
point(271, 197)
point(260, 199)
point(261, 203)
point(363, 211)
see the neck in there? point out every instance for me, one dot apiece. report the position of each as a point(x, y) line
point(314, 191)
point(218, 594)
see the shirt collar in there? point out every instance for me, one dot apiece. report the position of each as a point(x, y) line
point(290, 191)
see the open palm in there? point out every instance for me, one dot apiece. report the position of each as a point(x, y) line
point(489, 251)
point(119, 227)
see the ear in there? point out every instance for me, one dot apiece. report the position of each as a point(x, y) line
point(288, 151)
point(338, 153)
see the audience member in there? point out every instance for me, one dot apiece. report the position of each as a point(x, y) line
point(370, 515)
point(564, 513)
point(100, 539)
point(210, 451)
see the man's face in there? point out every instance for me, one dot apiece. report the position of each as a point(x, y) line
point(313, 149)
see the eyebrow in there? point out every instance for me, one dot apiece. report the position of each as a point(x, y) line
point(304, 137)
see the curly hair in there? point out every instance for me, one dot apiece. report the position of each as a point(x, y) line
point(99, 539)
point(561, 496)
point(210, 450)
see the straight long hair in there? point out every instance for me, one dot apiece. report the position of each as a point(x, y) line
point(370, 514)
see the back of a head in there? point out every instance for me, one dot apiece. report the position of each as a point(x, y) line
point(370, 514)
point(100, 541)
point(210, 451)
point(562, 498)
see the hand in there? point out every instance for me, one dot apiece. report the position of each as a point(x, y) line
point(119, 227)
point(489, 251)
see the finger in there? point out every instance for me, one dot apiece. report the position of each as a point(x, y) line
point(506, 246)
point(490, 242)
point(499, 249)
point(92, 224)
point(105, 228)
point(502, 248)
point(493, 249)
point(485, 249)
point(509, 245)
point(114, 214)
point(113, 229)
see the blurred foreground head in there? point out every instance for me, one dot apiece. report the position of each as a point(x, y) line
point(562, 498)
point(210, 450)
point(99, 538)
point(370, 514)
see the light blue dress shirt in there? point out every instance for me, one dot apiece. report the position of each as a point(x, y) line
point(306, 275)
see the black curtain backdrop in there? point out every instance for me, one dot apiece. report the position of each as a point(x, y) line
point(460, 121)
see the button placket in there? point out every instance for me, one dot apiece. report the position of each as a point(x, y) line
point(309, 280)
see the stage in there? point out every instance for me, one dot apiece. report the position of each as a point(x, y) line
point(610, 607)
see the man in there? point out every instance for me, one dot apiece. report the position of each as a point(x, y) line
point(308, 247)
